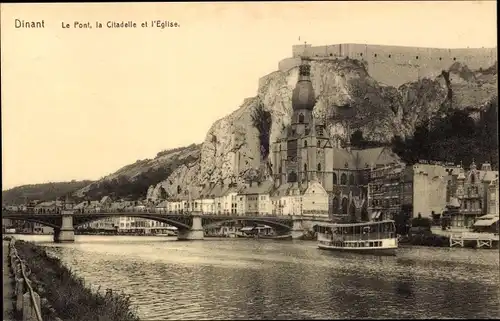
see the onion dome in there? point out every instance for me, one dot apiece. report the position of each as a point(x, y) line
point(303, 96)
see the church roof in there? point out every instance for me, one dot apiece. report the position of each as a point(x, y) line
point(375, 156)
point(341, 157)
point(262, 188)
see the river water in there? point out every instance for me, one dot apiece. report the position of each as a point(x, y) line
point(266, 279)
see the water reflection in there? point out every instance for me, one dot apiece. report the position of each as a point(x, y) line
point(259, 279)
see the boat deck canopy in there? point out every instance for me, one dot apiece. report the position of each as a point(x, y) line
point(486, 222)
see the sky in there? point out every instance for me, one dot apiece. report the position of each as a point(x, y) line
point(82, 103)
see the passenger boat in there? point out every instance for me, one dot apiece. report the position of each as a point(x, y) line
point(369, 237)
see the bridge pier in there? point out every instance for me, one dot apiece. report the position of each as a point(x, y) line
point(66, 233)
point(297, 230)
point(194, 233)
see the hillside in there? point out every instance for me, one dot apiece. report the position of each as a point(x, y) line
point(43, 192)
point(132, 181)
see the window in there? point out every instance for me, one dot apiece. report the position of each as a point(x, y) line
point(351, 179)
point(292, 177)
point(454, 58)
point(375, 55)
point(416, 57)
point(389, 56)
point(440, 58)
point(319, 167)
point(305, 143)
point(301, 118)
point(318, 144)
point(335, 181)
point(305, 168)
point(280, 170)
point(343, 179)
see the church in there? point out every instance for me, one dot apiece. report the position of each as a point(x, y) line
point(306, 160)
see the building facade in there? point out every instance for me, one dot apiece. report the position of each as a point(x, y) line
point(471, 188)
point(306, 153)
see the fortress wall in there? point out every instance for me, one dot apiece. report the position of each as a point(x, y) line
point(397, 65)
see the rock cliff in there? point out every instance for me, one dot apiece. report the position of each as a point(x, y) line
point(345, 92)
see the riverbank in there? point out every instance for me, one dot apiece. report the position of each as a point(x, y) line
point(66, 295)
point(8, 283)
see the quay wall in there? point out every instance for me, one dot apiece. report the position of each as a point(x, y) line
point(396, 65)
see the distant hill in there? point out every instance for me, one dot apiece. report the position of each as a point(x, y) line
point(43, 192)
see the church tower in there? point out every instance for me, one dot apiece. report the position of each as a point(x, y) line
point(300, 145)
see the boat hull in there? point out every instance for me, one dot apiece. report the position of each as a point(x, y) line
point(373, 251)
point(266, 237)
point(277, 237)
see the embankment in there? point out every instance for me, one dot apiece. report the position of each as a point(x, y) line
point(65, 296)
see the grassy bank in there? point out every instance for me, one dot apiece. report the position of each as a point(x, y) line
point(67, 294)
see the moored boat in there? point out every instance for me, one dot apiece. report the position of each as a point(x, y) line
point(369, 237)
point(275, 237)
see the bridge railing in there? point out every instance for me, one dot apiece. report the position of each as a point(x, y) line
point(163, 211)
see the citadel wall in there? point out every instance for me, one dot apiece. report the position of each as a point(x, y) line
point(393, 65)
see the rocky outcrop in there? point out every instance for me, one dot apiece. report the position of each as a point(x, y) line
point(345, 93)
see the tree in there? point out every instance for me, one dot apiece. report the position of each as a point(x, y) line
point(262, 121)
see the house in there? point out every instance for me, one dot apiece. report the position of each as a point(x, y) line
point(106, 202)
point(48, 207)
point(162, 207)
point(315, 200)
point(255, 198)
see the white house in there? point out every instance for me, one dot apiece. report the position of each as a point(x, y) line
point(315, 200)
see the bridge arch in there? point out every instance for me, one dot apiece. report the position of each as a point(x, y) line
point(273, 224)
point(180, 225)
point(32, 220)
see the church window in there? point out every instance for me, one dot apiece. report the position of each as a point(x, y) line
point(305, 143)
point(416, 57)
point(375, 55)
point(454, 58)
point(343, 179)
point(305, 168)
point(281, 170)
point(351, 179)
point(480, 204)
point(319, 167)
point(318, 144)
point(301, 118)
point(292, 177)
point(335, 182)
point(472, 179)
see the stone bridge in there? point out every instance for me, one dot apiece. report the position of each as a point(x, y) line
point(190, 226)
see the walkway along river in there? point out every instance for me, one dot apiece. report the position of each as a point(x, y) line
point(255, 279)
